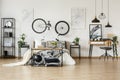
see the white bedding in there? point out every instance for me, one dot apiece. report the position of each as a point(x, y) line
point(67, 59)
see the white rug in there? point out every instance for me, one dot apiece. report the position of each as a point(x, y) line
point(67, 59)
point(26, 57)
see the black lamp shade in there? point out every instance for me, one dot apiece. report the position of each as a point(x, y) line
point(95, 20)
point(108, 25)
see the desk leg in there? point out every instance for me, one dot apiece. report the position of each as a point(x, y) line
point(79, 52)
point(90, 50)
point(62, 60)
point(61, 55)
point(31, 52)
point(61, 52)
point(113, 52)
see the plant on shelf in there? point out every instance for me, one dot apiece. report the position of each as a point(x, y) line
point(21, 40)
point(76, 41)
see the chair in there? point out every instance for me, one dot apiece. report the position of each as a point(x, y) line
point(107, 47)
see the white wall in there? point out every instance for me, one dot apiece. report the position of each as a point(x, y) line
point(55, 10)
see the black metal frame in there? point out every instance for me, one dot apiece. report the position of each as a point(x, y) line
point(76, 46)
point(10, 36)
point(57, 26)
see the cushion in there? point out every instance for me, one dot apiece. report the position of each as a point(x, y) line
point(61, 44)
point(52, 44)
point(37, 43)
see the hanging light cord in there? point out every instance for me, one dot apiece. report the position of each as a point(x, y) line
point(33, 13)
point(102, 6)
point(108, 10)
point(95, 7)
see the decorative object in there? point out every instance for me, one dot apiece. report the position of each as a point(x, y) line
point(8, 24)
point(95, 20)
point(95, 31)
point(10, 34)
point(6, 34)
point(76, 41)
point(22, 40)
point(102, 14)
point(39, 25)
point(62, 27)
point(78, 18)
point(108, 24)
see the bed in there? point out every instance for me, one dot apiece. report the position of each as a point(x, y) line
point(67, 59)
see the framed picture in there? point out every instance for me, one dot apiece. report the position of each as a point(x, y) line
point(78, 18)
point(95, 31)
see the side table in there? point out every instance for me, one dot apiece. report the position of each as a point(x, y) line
point(75, 46)
point(19, 49)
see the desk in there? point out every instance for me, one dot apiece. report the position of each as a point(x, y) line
point(98, 43)
point(75, 46)
point(19, 49)
point(42, 48)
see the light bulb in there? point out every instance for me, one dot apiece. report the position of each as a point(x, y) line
point(102, 16)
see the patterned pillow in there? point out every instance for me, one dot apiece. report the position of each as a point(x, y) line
point(58, 44)
point(51, 44)
point(61, 44)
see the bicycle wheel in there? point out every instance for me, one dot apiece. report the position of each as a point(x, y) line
point(39, 25)
point(62, 27)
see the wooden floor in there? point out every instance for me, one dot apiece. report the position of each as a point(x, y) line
point(85, 69)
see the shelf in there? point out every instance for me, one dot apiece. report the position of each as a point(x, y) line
point(8, 56)
point(8, 27)
point(8, 38)
point(8, 46)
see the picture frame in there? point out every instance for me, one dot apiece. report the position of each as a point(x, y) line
point(95, 32)
point(78, 18)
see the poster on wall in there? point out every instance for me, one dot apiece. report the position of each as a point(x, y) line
point(78, 18)
point(27, 14)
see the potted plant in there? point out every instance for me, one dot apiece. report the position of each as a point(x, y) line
point(76, 41)
point(21, 40)
point(115, 42)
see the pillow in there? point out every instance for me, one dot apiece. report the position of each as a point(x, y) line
point(51, 44)
point(59, 44)
point(37, 43)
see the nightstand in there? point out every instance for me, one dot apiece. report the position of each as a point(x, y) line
point(75, 46)
point(19, 49)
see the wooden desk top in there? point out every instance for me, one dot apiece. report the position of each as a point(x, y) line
point(101, 43)
point(46, 48)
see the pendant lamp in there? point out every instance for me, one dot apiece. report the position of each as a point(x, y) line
point(95, 20)
point(102, 14)
point(108, 24)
